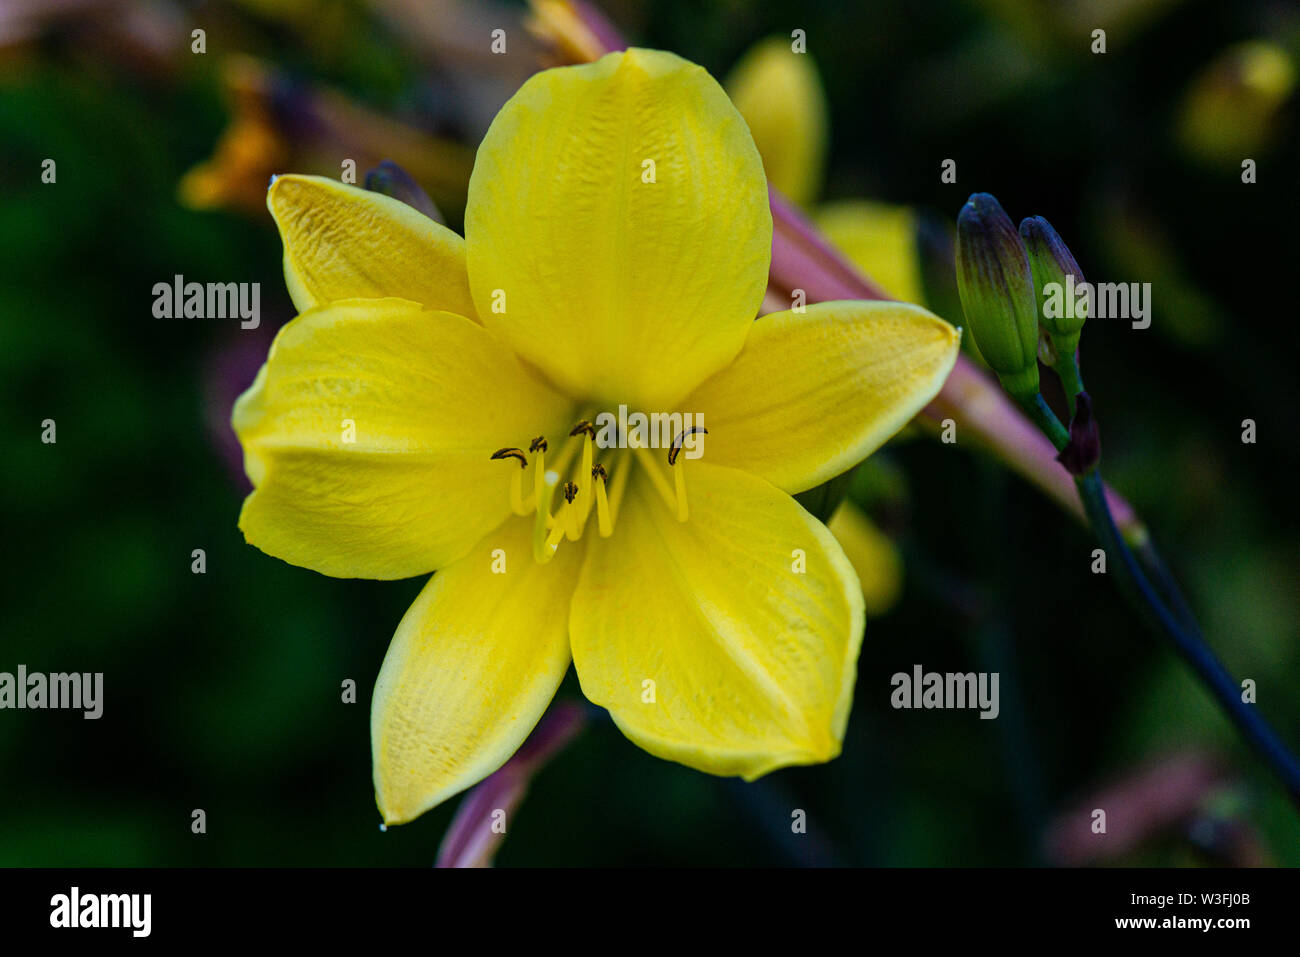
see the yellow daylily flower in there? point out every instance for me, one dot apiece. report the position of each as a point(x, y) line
point(432, 408)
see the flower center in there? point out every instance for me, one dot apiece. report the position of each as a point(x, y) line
point(592, 485)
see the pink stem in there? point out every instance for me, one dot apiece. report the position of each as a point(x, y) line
point(471, 840)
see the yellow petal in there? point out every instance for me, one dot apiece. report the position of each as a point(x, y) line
point(341, 242)
point(881, 241)
point(780, 96)
point(472, 667)
point(368, 435)
point(619, 288)
point(727, 642)
point(873, 556)
point(813, 394)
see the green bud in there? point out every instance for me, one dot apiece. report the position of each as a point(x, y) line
point(1062, 310)
point(997, 293)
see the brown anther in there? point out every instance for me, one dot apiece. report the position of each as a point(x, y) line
point(584, 426)
point(570, 492)
point(538, 444)
point(512, 454)
point(598, 471)
point(681, 438)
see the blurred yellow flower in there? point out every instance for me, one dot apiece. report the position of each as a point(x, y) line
point(779, 93)
point(880, 239)
point(1232, 108)
point(313, 128)
point(873, 556)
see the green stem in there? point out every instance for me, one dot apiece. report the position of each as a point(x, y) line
point(1038, 410)
point(1067, 370)
point(1188, 641)
point(1155, 566)
point(1182, 629)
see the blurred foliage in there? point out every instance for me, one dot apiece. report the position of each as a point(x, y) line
point(223, 690)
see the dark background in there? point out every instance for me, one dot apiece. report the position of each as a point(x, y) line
point(223, 690)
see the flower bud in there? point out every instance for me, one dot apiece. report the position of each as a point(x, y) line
point(997, 293)
point(1082, 453)
point(1058, 279)
point(391, 180)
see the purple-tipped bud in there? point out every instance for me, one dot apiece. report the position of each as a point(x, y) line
point(391, 180)
point(997, 293)
point(1063, 306)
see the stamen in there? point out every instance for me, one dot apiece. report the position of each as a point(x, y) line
point(681, 440)
point(538, 445)
point(599, 479)
point(588, 432)
point(553, 539)
point(543, 545)
point(679, 471)
point(572, 512)
point(516, 480)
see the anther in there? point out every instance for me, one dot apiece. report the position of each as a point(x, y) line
point(604, 522)
point(538, 444)
point(583, 426)
point(512, 454)
point(680, 441)
point(571, 516)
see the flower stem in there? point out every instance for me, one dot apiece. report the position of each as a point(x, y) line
point(1188, 641)
point(1179, 625)
point(1042, 415)
point(1067, 370)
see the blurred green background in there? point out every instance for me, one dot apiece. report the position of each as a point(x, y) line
point(222, 690)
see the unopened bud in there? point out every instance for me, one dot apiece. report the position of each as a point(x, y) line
point(997, 293)
point(1057, 277)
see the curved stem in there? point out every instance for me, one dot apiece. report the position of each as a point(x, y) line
point(1156, 567)
point(1190, 643)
